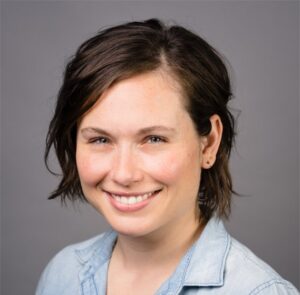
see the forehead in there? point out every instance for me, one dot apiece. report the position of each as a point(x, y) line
point(153, 96)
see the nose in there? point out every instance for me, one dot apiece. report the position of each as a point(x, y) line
point(125, 170)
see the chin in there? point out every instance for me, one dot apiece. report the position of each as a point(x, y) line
point(131, 228)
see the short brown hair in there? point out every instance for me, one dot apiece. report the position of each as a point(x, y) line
point(123, 51)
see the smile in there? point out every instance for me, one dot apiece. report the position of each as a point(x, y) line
point(132, 201)
point(128, 200)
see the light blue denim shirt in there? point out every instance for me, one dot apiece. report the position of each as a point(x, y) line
point(215, 264)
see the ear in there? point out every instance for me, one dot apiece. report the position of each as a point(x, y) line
point(211, 142)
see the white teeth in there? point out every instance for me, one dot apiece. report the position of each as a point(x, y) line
point(132, 200)
point(129, 200)
point(123, 200)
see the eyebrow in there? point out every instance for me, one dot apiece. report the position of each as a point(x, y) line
point(142, 131)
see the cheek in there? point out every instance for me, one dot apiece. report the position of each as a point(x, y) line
point(171, 168)
point(90, 169)
point(174, 167)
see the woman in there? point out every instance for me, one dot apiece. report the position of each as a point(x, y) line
point(143, 133)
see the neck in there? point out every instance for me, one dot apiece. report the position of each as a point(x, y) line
point(164, 247)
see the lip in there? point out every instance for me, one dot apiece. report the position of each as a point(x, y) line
point(130, 207)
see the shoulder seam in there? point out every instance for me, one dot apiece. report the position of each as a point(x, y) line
point(268, 284)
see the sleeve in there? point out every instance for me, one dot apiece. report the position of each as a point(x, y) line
point(275, 287)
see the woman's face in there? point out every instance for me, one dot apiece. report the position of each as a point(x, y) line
point(139, 156)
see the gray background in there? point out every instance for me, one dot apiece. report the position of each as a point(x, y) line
point(261, 41)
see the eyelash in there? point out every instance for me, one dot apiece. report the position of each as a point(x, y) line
point(99, 140)
point(152, 139)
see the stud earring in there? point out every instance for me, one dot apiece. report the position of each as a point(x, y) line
point(208, 164)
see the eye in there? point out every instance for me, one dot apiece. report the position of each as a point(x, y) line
point(99, 140)
point(155, 139)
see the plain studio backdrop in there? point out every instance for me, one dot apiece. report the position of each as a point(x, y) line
point(261, 41)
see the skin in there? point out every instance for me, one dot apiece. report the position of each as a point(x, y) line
point(137, 139)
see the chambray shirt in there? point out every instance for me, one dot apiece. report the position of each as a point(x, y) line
point(215, 264)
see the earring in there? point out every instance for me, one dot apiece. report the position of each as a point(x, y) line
point(208, 163)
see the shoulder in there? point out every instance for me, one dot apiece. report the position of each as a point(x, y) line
point(63, 269)
point(224, 265)
point(246, 271)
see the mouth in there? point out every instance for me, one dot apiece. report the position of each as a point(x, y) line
point(131, 201)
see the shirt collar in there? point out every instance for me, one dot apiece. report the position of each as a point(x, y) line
point(101, 248)
point(206, 264)
point(95, 254)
